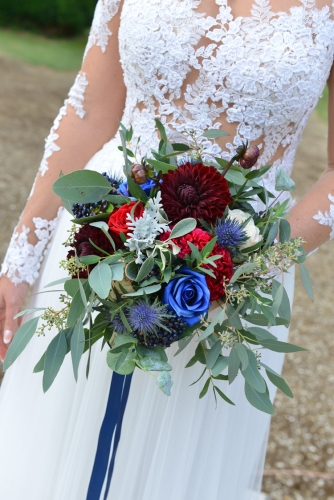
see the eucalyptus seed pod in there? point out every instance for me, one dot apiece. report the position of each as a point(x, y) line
point(250, 157)
point(138, 173)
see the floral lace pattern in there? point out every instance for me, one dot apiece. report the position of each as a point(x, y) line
point(264, 73)
point(100, 32)
point(23, 260)
point(76, 99)
point(327, 218)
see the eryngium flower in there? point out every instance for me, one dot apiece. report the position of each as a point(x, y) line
point(194, 191)
point(230, 233)
point(250, 157)
point(117, 324)
point(145, 317)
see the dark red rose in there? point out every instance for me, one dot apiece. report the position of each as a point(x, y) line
point(118, 219)
point(224, 269)
point(194, 191)
point(83, 246)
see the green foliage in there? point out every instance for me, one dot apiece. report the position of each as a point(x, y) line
point(56, 17)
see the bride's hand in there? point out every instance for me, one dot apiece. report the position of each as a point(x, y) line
point(11, 299)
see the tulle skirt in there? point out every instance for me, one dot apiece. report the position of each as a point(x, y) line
point(171, 448)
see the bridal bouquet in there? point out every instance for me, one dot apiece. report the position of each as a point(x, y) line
point(174, 252)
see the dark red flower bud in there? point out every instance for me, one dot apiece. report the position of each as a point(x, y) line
point(138, 173)
point(250, 157)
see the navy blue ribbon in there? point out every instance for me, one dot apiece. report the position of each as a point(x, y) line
point(111, 426)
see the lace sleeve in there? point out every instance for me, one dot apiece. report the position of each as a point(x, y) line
point(87, 120)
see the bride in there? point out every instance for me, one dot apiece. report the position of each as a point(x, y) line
point(254, 68)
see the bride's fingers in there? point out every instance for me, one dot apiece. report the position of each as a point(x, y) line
point(11, 324)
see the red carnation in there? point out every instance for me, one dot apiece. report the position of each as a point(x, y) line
point(118, 219)
point(224, 269)
point(223, 272)
point(194, 191)
point(83, 246)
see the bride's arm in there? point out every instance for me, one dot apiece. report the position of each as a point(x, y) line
point(313, 216)
point(88, 119)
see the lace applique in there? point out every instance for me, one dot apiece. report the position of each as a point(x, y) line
point(23, 260)
point(76, 99)
point(100, 32)
point(76, 95)
point(327, 219)
point(264, 73)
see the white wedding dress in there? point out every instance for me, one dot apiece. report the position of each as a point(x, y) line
point(258, 76)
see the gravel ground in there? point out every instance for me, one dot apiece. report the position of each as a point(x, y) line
point(300, 459)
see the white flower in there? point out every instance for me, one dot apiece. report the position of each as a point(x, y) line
point(250, 229)
point(145, 230)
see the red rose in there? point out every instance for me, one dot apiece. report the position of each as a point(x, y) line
point(224, 269)
point(118, 219)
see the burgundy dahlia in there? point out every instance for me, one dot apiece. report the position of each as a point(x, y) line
point(83, 246)
point(194, 191)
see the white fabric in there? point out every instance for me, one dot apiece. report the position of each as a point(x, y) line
point(264, 73)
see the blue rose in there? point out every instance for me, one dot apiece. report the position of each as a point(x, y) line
point(188, 295)
point(149, 184)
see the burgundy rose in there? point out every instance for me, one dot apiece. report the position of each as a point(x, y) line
point(83, 246)
point(118, 219)
point(194, 191)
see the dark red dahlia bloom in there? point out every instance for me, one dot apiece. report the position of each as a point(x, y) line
point(224, 270)
point(194, 191)
point(83, 246)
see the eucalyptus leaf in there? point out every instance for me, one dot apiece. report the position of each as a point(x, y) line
point(259, 400)
point(252, 374)
point(205, 388)
point(90, 260)
point(76, 309)
point(136, 191)
point(183, 227)
point(279, 382)
point(273, 232)
point(223, 396)
point(126, 367)
point(243, 356)
point(39, 367)
point(100, 280)
point(117, 271)
point(284, 231)
point(147, 290)
point(161, 166)
point(233, 316)
point(220, 365)
point(150, 364)
point(213, 354)
point(145, 269)
point(277, 346)
point(283, 181)
point(54, 357)
point(306, 280)
point(58, 282)
point(210, 328)
point(29, 311)
point(233, 365)
point(77, 347)
point(243, 269)
point(83, 186)
point(261, 334)
point(165, 383)
point(20, 341)
point(162, 130)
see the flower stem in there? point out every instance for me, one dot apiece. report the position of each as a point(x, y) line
point(230, 163)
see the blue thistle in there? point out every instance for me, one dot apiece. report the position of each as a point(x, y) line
point(146, 317)
point(117, 324)
point(230, 233)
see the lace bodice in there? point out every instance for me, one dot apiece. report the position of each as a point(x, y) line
point(257, 76)
point(261, 75)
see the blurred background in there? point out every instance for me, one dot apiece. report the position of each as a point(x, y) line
point(41, 47)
